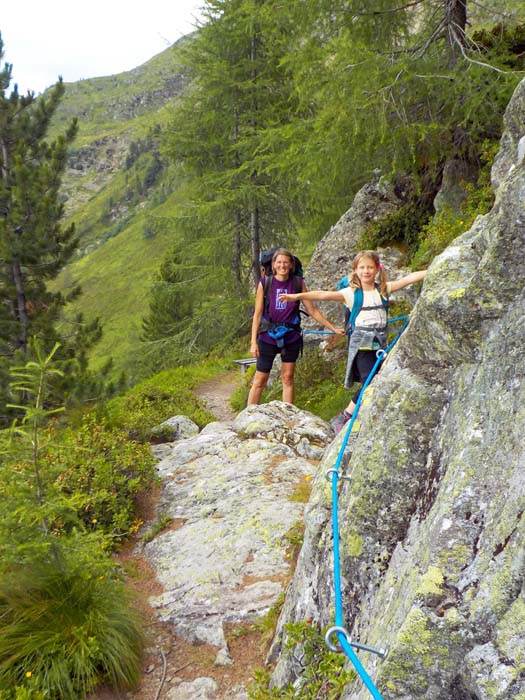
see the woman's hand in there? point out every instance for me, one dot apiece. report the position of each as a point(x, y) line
point(254, 349)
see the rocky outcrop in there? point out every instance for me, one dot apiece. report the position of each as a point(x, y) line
point(431, 520)
point(233, 492)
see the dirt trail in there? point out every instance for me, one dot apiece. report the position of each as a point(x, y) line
point(169, 660)
point(216, 394)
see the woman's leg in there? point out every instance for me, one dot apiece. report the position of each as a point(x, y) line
point(287, 379)
point(260, 380)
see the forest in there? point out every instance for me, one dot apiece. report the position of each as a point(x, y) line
point(288, 109)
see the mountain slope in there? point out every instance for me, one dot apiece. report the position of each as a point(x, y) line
point(115, 183)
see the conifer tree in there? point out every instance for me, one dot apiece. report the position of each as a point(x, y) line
point(34, 245)
point(170, 302)
point(238, 91)
point(399, 87)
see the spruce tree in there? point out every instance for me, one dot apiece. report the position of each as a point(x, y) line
point(34, 245)
point(170, 304)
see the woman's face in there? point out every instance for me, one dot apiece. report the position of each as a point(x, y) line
point(282, 265)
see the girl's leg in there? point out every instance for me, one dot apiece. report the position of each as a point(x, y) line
point(365, 361)
point(260, 380)
point(287, 379)
point(350, 408)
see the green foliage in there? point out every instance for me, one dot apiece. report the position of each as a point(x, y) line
point(240, 396)
point(401, 226)
point(318, 383)
point(447, 225)
point(67, 627)
point(67, 622)
point(322, 674)
point(27, 484)
point(23, 692)
point(163, 521)
point(266, 625)
point(103, 471)
point(55, 482)
point(171, 301)
point(34, 245)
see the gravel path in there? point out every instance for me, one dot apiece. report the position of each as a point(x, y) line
point(216, 394)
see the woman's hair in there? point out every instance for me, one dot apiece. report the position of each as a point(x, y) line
point(355, 282)
point(283, 251)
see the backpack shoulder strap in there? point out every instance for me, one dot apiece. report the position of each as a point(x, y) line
point(267, 283)
point(356, 307)
point(297, 284)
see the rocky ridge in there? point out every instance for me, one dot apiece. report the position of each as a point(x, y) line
point(235, 492)
point(431, 528)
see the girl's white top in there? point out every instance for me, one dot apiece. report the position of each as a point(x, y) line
point(375, 317)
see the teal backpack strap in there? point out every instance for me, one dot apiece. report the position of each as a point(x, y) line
point(356, 308)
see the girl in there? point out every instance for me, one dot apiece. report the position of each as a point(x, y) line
point(279, 317)
point(370, 330)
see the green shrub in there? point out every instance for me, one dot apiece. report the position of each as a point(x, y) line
point(103, 472)
point(319, 383)
point(323, 674)
point(447, 225)
point(23, 693)
point(67, 625)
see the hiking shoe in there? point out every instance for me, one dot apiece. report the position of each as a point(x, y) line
point(339, 421)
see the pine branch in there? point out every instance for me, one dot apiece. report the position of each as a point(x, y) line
point(390, 11)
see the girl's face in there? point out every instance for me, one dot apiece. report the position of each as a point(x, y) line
point(282, 265)
point(366, 270)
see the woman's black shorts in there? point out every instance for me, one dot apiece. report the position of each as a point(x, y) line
point(268, 351)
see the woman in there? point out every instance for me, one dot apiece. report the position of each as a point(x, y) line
point(276, 327)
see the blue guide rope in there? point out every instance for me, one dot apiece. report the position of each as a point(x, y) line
point(339, 629)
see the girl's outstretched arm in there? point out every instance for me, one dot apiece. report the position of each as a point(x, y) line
point(314, 295)
point(406, 281)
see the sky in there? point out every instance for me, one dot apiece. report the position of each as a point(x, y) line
point(47, 38)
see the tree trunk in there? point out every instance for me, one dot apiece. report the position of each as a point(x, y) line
point(237, 254)
point(456, 22)
point(255, 239)
point(21, 312)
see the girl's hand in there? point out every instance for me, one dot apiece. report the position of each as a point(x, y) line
point(288, 297)
point(254, 350)
point(339, 331)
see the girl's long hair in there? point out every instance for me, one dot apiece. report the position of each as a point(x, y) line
point(355, 282)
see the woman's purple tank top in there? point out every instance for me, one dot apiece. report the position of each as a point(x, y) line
point(281, 311)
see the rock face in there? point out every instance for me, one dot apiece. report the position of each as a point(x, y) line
point(234, 491)
point(431, 521)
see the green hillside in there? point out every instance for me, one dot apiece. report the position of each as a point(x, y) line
point(109, 198)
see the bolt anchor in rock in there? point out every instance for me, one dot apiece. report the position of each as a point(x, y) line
point(382, 653)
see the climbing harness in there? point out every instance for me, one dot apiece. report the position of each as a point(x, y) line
point(334, 474)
